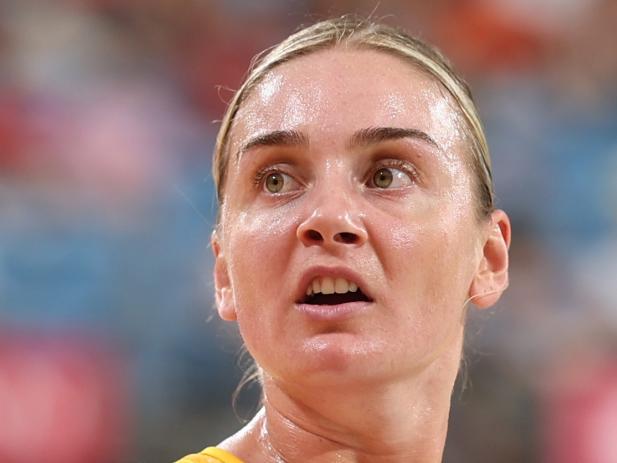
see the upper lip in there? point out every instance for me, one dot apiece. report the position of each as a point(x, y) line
point(333, 272)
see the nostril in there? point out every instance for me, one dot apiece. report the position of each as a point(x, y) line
point(314, 235)
point(346, 238)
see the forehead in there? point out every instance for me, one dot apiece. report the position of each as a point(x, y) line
point(339, 90)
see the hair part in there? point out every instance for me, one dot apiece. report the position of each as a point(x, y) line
point(364, 34)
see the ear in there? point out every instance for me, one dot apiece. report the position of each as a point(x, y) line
point(491, 278)
point(222, 287)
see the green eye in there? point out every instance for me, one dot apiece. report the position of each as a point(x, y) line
point(274, 182)
point(383, 178)
point(391, 177)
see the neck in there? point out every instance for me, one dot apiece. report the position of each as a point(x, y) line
point(398, 421)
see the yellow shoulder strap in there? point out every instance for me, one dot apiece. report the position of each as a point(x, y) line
point(211, 455)
point(222, 455)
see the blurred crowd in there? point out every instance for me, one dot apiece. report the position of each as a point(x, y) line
point(109, 349)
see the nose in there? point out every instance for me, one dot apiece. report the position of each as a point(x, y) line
point(332, 224)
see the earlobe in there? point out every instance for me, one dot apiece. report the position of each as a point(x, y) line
point(223, 293)
point(491, 278)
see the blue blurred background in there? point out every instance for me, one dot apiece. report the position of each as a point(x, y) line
point(109, 347)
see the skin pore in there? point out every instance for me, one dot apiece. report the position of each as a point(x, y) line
point(353, 164)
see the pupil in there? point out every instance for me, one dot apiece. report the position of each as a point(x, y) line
point(383, 178)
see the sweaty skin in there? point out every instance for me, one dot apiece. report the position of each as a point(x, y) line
point(369, 381)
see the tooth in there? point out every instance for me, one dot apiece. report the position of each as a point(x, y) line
point(341, 286)
point(327, 285)
point(353, 287)
point(309, 290)
point(316, 286)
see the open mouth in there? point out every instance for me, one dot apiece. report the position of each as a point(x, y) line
point(333, 291)
point(334, 299)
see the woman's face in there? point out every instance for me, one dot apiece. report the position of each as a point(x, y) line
point(347, 168)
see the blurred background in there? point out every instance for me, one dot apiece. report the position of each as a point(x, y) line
point(109, 348)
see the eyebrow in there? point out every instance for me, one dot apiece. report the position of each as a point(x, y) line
point(363, 137)
point(373, 135)
point(275, 138)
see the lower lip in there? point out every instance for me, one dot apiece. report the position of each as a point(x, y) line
point(335, 312)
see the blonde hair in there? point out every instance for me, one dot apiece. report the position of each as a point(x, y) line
point(364, 34)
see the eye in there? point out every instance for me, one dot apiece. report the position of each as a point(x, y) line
point(391, 177)
point(383, 178)
point(276, 182)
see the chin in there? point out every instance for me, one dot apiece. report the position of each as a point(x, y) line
point(337, 358)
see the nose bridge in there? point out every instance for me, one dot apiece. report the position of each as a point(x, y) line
point(335, 192)
point(334, 215)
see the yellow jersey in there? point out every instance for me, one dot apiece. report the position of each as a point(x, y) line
point(211, 455)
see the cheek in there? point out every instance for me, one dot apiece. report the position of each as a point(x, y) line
point(432, 256)
point(433, 263)
point(259, 245)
